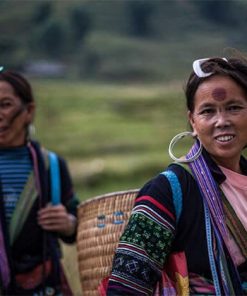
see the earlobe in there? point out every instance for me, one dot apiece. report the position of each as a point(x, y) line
point(194, 134)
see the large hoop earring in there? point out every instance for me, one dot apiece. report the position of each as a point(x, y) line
point(175, 140)
point(31, 131)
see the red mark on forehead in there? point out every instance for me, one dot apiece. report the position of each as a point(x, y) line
point(219, 94)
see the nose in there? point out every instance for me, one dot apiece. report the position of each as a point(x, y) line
point(222, 120)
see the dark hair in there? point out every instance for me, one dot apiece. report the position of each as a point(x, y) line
point(20, 85)
point(235, 68)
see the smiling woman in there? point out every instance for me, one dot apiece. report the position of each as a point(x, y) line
point(204, 251)
point(29, 225)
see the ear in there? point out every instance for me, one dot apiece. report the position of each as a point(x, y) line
point(192, 122)
point(30, 111)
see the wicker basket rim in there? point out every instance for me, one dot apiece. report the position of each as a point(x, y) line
point(102, 196)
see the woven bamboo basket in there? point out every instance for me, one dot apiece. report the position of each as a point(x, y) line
point(102, 220)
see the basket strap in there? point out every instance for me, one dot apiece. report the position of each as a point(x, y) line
point(55, 178)
point(176, 192)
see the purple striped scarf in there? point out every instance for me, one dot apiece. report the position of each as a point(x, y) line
point(212, 197)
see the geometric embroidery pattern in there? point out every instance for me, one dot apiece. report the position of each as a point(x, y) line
point(148, 235)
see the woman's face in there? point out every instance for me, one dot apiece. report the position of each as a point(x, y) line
point(219, 119)
point(14, 117)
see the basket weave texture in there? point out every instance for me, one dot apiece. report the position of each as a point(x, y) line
point(102, 220)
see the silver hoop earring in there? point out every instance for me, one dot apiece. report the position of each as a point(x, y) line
point(175, 140)
point(30, 131)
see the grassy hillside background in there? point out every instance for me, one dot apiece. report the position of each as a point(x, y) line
point(119, 40)
point(119, 100)
point(114, 135)
point(114, 109)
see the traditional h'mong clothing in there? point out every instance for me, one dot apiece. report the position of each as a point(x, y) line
point(209, 256)
point(30, 257)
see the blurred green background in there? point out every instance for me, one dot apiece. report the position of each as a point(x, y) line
point(108, 77)
point(114, 136)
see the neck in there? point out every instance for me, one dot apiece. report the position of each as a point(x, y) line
point(231, 165)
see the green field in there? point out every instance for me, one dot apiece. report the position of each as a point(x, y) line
point(114, 136)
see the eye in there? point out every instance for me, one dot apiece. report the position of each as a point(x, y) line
point(206, 111)
point(6, 104)
point(234, 108)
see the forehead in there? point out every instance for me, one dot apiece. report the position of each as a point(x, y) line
point(6, 89)
point(219, 88)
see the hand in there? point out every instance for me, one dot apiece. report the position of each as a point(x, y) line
point(57, 219)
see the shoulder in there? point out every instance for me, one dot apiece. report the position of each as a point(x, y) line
point(50, 155)
point(44, 152)
point(160, 184)
point(160, 190)
point(60, 164)
point(183, 174)
point(157, 192)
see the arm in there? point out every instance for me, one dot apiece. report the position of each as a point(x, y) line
point(62, 218)
point(146, 241)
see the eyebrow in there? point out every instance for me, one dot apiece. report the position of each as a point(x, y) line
point(205, 105)
point(232, 101)
point(6, 98)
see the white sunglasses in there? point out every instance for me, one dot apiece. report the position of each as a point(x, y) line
point(198, 70)
point(1, 68)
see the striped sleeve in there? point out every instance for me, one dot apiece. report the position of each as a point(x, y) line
point(146, 241)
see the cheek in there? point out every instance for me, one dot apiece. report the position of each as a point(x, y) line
point(201, 127)
point(19, 125)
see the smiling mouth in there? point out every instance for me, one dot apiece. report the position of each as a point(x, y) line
point(224, 139)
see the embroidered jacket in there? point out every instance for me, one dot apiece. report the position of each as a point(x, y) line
point(152, 234)
point(31, 245)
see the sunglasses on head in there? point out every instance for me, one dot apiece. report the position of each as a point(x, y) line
point(198, 70)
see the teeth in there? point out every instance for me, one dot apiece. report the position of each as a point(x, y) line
point(225, 138)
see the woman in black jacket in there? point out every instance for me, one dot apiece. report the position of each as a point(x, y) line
point(203, 250)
